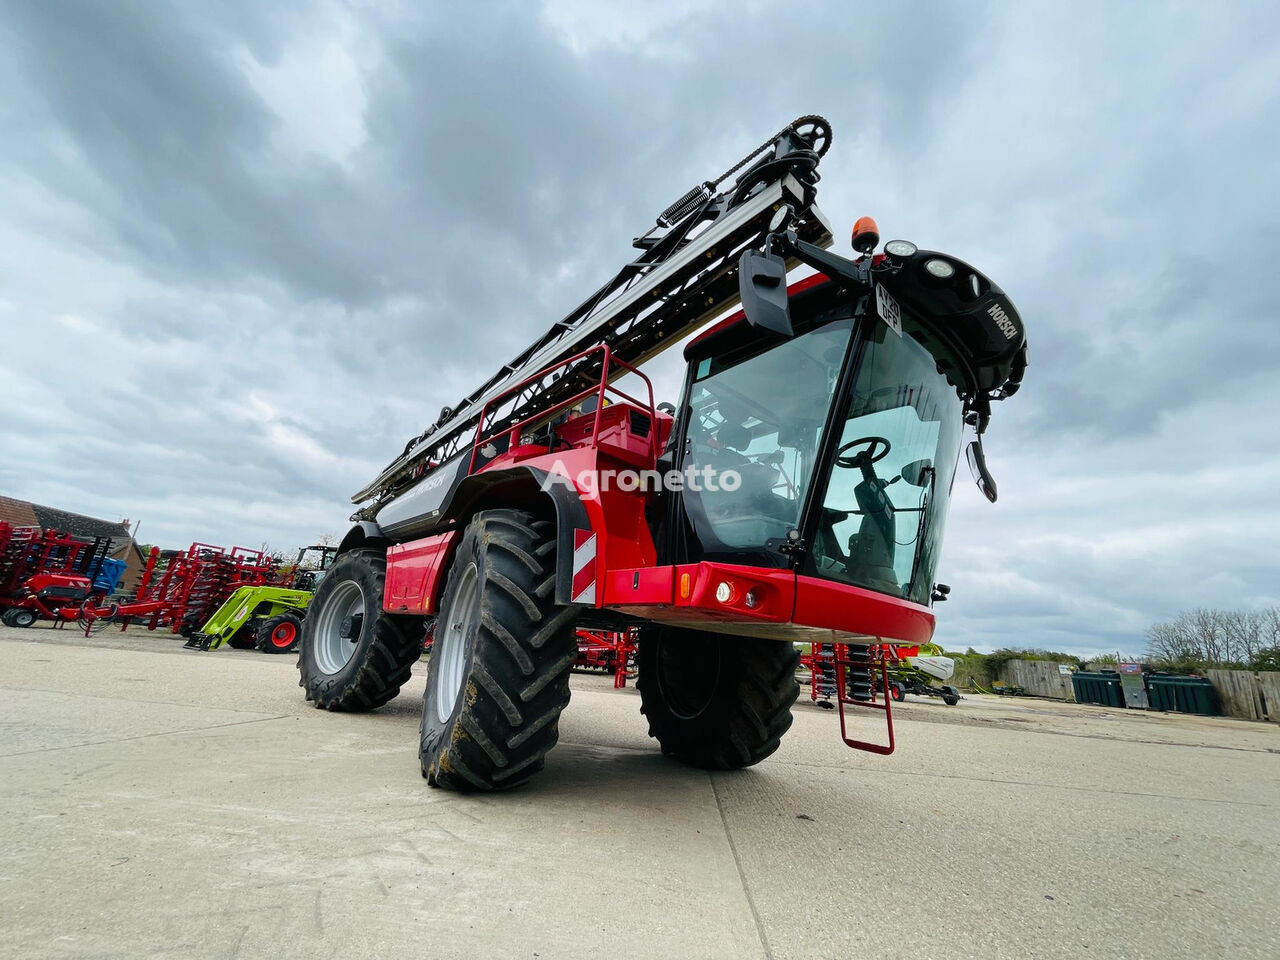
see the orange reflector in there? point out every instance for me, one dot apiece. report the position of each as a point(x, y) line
point(866, 235)
point(684, 586)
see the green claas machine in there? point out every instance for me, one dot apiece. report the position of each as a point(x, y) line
point(266, 617)
point(269, 618)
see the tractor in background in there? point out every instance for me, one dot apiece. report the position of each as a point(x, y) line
point(267, 617)
point(263, 617)
point(311, 565)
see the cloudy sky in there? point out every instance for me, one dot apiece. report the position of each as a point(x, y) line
point(247, 249)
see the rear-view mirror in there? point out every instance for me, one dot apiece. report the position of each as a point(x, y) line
point(978, 467)
point(762, 286)
point(918, 472)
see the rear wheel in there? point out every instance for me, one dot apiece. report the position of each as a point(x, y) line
point(716, 701)
point(279, 634)
point(19, 617)
point(353, 656)
point(500, 660)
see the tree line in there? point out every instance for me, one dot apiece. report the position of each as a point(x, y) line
point(1205, 638)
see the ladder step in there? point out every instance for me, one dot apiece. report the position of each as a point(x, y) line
point(871, 693)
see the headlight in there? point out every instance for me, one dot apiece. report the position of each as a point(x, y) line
point(900, 249)
point(940, 268)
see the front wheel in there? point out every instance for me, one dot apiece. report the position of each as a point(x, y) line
point(279, 634)
point(716, 701)
point(498, 677)
point(353, 656)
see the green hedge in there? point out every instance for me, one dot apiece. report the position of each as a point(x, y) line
point(983, 669)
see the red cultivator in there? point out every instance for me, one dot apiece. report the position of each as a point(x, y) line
point(611, 652)
point(41, 571)
point(180, 590)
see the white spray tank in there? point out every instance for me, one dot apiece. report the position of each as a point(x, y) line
point(940, 668)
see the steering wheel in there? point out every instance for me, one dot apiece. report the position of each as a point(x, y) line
point(877, 449)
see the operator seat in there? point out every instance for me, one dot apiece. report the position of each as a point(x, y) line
point(752, 513)
point(871, 549)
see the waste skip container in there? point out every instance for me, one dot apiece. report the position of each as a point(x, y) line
point(1100, 688)
point(1183, 694)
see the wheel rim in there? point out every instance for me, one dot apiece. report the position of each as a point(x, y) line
point(284, 634)
point(24, 618)
point(449, 652)
point(339, 627)
point(687, 686)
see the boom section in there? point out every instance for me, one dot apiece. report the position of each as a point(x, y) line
point(652, 304)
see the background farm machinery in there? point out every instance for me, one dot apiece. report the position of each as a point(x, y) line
point(877, 671)
point(179, 589)
point(268, 617)
point(209, 594)
point(611, 651)
point(41, 571)
point(916, 671)
point(265, 617)
point(870, 676)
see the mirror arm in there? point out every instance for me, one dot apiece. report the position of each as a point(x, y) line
point(834, 266)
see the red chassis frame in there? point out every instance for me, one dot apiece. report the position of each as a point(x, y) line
point(615, 558)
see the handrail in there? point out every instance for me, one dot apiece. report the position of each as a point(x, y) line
point(601, 389)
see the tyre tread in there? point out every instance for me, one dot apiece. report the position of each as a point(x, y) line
point(524, 646)
point(746, 718)
point(388, 660)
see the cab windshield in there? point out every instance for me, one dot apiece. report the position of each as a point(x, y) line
point(882, 515)
point(756, 417)
point(754, 448)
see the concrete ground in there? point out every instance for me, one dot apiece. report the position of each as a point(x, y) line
point(156, 802)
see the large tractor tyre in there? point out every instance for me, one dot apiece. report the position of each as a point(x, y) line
point(19, 617)
point(353, 656)
point(499, 671)
point(716, 701)
point(279, 634)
